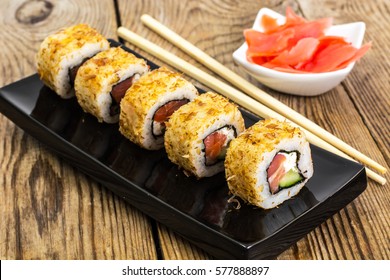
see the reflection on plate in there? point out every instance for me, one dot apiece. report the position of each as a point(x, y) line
point(199, 210)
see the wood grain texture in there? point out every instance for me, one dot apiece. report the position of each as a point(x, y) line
point(49, 209)
point(361, 230)
point(175, 247)
point(366, 221)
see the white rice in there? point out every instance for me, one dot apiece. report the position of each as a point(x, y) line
point(75, 58)
point(104, 99)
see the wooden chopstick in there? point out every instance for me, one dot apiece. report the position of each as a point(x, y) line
point(257, 93)
point(235, 95)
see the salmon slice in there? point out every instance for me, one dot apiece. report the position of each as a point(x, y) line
point(275, 172)
point(165, 111)
point(214, 145)
point(119, 90)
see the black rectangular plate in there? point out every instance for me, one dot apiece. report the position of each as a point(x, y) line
point(197, 209)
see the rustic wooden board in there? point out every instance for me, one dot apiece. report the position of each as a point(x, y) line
point(49, 210)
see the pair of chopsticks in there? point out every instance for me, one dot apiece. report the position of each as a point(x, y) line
point(258, 101)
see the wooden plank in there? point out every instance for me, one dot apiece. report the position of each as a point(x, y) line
point(364, 224)
point(175, 247)
point(49, 210)
point(370, 75)
point(361, 230)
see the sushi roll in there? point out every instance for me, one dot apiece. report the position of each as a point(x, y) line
point(61, 54)
point(149, 103)
point(102, 81)
point(198, 134)
point(268, 163)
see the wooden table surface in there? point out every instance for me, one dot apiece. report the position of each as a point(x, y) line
point(50, 210)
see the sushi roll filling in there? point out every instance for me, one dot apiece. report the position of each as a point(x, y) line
point(217, 143)
point(72, 72)
point(283, 172)
point(162, 115)
point(118, 92)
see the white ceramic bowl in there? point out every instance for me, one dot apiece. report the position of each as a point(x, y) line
point(296, 83)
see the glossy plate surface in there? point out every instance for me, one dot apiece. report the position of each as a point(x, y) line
point(197, 209)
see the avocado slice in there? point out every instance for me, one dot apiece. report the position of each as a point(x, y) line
point(291, 178)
